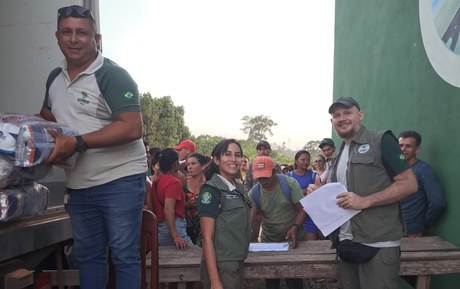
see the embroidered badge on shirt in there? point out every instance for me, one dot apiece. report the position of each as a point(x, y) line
point(206, 198)
point(402, 157)
point(82, 99)
point(364, 148)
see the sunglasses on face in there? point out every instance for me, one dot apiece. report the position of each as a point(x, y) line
point(74, 11)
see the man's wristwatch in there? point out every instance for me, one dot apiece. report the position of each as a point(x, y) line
point(80, 146)
point(297, 226)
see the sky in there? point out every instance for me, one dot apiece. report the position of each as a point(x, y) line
point(223, 60)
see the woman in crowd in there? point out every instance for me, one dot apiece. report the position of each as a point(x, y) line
point(305, 177)
point(169, 202)
point(224, 219)
point(155, 172)
point(196, 163)
point(321, 172)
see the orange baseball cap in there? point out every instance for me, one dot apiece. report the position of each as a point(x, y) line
point(262, 167)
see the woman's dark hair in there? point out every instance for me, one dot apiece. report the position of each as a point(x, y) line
point(298, 154)
point(154, 153)
point(203, 160)
point(167, 158)
point(220, 149)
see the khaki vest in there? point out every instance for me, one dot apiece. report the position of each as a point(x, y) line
point(366, 175)
point(233, 230)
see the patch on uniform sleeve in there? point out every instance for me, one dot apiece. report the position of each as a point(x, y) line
point(128, 95)
point(206, 198)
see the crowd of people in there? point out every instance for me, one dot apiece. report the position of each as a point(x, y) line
point(219, 202)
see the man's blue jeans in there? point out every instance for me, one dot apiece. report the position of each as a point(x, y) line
point(105, 217)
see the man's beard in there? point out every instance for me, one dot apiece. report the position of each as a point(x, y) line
point(348, 134)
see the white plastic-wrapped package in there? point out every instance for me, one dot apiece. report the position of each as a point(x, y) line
point(11, 175)
point(33, 144)
point(6, 171)
point(24, 201)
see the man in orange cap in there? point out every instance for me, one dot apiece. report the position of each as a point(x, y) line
point(278, 197)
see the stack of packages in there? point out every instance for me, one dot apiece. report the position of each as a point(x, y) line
point(24, 145)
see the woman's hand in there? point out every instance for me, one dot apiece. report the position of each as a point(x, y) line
point(180, 243)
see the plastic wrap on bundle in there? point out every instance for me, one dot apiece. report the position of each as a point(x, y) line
point(33, 144)
point(25, 201)
point(11, 203)
point(11, 175)
point(36, 200)
point(6, 171)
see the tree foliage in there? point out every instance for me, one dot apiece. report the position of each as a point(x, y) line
point(206, 143)
point(257, 127)
point(313, 148)
point(164, 124)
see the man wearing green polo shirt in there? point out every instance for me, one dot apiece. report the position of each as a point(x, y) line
point(105, 191)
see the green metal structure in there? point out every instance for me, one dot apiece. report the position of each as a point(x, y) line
point(382, 59)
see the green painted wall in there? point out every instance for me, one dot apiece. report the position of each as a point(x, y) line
point(381, 61)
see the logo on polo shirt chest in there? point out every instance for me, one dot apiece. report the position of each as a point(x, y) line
point(83, 99)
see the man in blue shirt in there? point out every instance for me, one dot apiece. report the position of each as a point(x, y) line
point(422, 209)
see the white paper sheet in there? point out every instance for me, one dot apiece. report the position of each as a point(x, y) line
point(265, 247)
point(321, 206)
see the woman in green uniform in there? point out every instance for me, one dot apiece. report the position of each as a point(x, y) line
point(224, 219)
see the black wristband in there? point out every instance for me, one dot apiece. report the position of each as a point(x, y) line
point(80, 146)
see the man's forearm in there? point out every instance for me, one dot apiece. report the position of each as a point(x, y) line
point(404, 184)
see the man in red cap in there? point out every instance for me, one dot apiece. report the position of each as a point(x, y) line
point(184, 149)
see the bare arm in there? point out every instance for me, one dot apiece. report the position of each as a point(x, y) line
point(404, 184)
point(45, 113)
point(126, 128)
point(299, 220)
point(256, 220)
point(170, 218)
point(207, 226)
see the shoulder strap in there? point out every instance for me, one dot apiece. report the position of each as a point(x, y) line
point(284, 188)
point(256, 195)
point(51, 77)
point(313, 176)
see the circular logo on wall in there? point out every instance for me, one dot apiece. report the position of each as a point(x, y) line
point(440, 27)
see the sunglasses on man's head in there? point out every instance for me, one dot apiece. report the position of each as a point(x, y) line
point(74, 11)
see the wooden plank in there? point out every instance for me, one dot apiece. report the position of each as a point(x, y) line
point(426, 244)
point(183, 275)
point(424, 257)
point(430, 255)
point(288, 271)
point(429, 267)
point(422, 282)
